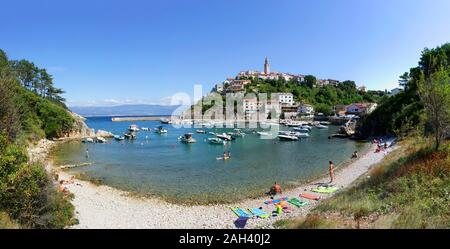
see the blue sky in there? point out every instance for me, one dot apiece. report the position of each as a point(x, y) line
point(105, 52)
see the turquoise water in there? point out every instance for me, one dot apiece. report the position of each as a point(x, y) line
point(162, 166)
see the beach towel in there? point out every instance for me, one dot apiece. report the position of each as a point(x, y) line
point(241, 222)
point(241, 212)
point(323, 189)
point(276, 201)
point(296, 202)
point(311, 197)
point(259, 213)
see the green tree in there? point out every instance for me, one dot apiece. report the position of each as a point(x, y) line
point(435, 94)
point(310, 81)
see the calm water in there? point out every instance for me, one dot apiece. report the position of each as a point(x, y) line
point(162, 166)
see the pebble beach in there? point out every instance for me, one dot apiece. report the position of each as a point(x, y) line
point(100, 206)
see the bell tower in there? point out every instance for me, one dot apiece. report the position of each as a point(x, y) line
point(266, 67)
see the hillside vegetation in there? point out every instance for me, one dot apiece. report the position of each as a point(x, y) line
point(411, 187)
point(31, 108)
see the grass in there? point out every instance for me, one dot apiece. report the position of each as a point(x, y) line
point(6, 222)
point(409, 189)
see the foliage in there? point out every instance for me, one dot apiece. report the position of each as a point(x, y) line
point(404, 112)
point(26, 193)
point(409, 190)
point(29, 108)
point(435, 94)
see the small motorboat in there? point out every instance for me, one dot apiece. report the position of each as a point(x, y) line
point(224, 136)
point(130, 135)
point(187, 138)
point(212, 133)
point(262, 133)
point(301, 135)
point(160, 130)
point(320, 126)
point(216, 140)
point(165, 121)
point(201, 131)
point(119, 138)
point(88, 140)
point(287, 137)
point(145, 129)
point(301, 129)
point(133, 128)
point(101, 140)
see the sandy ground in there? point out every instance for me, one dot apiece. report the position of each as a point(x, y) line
point(107, 207)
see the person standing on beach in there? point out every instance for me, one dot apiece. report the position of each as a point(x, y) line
point(331, 170)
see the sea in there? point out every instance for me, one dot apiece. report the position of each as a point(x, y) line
point(161, 166)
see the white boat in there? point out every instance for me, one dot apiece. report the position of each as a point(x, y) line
point(145, 129)
point(160, 130)
point(88, 140)
point(288, 137)
point(187, 138)
point(165, 121)
point(301, 129)
point(130, 135)
point(133, 128)
point(119, 138)
point(319, 126)
point(224, 136)
point(211, 133)
point(101, 140)
point(262, 133)
point(201, 131)
point(216, 140)
point(302, 135)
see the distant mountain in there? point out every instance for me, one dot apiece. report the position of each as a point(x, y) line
point(125, 110)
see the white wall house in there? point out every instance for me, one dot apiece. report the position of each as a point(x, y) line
point(286, 98)
point(305, 109)
point(395, 91)
point(360, 108)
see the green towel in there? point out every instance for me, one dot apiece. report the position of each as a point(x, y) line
point(296, 202)
point(325, 189)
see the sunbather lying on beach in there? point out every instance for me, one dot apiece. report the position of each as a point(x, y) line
point(63, 189)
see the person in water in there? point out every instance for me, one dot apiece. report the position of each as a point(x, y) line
point(225, 155)
point(355, 154)
point(87, 153)
point(229, 154)
point(331, 171)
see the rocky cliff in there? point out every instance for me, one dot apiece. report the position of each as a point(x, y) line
point(79, 129)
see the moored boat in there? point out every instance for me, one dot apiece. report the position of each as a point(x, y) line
point(187, 138)
point(160, 130)
point(287, 137)
point(224, 136)
point(201, 131)
point(119, 138)
point(133, 128)
point(216, 140)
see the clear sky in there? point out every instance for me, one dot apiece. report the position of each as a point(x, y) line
point(104, 52)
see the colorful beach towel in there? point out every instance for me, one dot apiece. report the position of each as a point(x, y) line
point(323, 189)
point(296, 202)
point(309, 196)
point(276, 201)
point(241, 212)
point(259, 213)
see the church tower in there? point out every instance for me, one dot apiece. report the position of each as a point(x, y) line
point(266, 67)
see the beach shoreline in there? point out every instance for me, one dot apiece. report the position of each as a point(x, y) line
point(101, 206)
